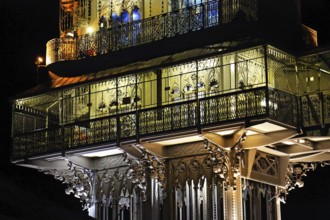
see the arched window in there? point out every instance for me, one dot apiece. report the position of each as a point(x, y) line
point(115, 19)
point(124, 16)
point(136, 15)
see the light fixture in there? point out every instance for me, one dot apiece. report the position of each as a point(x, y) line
point(272, 105)
point(232, 67)
point(288, 142)
point(301, 141)
point(70, 34)
point(103, 153)
point(200, 84)
point(226, 132)
point(136, 14)
point(39, 61)
point(181, 140)
point(89, 30)
point(310, 79)
point(250, 132)
point(214, 83)
point(267, 127)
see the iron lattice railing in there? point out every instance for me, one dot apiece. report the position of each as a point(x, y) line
point(192, 18)
point(315, 109)
point(192, 114)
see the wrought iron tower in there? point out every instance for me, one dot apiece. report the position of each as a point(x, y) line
point(204, 109)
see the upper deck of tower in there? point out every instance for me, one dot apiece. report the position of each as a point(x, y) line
point(112, 32)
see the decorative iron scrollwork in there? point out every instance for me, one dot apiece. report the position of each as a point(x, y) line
point(91, 186)
point(79, 182)
point(226, 163)
point(148, 163)
point(295, 174)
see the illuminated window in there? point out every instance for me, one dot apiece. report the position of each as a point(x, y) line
point(115, 19)
point(124, 16)
point(136, 15)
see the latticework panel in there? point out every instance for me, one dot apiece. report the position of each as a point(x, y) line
point(283, 107)
point(311, 109)
point(326, 107)
point(265, 164)
point(233, 106)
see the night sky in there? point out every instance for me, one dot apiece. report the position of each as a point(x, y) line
point(26, 26)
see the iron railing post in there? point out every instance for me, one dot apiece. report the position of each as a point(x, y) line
point(117, 116)
point(137, 118)
point(267, 80)
point(321, 97)
point(198, 113)
point(219, 11)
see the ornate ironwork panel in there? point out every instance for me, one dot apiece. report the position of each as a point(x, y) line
point(148, 29)
point(182, 21)
point(182, 115)
point(191, 18)
point(215, 109)
point(211, 13)
point(326, 107)
point(103, 42)
point(171, 25)
point(266, 164)
point(37, 142)
point(67, 50)
point(229, 10)
point(232, 106)
point(295, 175)
point(54, 139)
point(19, 149)
point(96, 131)
point(87, 45)
point(24, 122)
point(311, 109)
point(196, 17)
point(167, 122)
point(127, 125)
point(283, 107)
point(158, 27)
point(137, 31)
point(125, 35)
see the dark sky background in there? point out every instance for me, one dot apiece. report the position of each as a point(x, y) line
point(26, 26)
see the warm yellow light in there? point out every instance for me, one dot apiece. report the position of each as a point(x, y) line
point(40, 60)
point(288, 142)
point(226, 132)
point(70, 34)
point(267, 127)
point(103, 153)
point(250, 132)
point(181, 140)
point(89, 30)
point(232, 67)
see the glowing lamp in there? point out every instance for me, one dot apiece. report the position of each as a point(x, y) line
point(89, 30)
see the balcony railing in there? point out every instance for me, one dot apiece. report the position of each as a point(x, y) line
point(193, 18)
point(191, 114)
